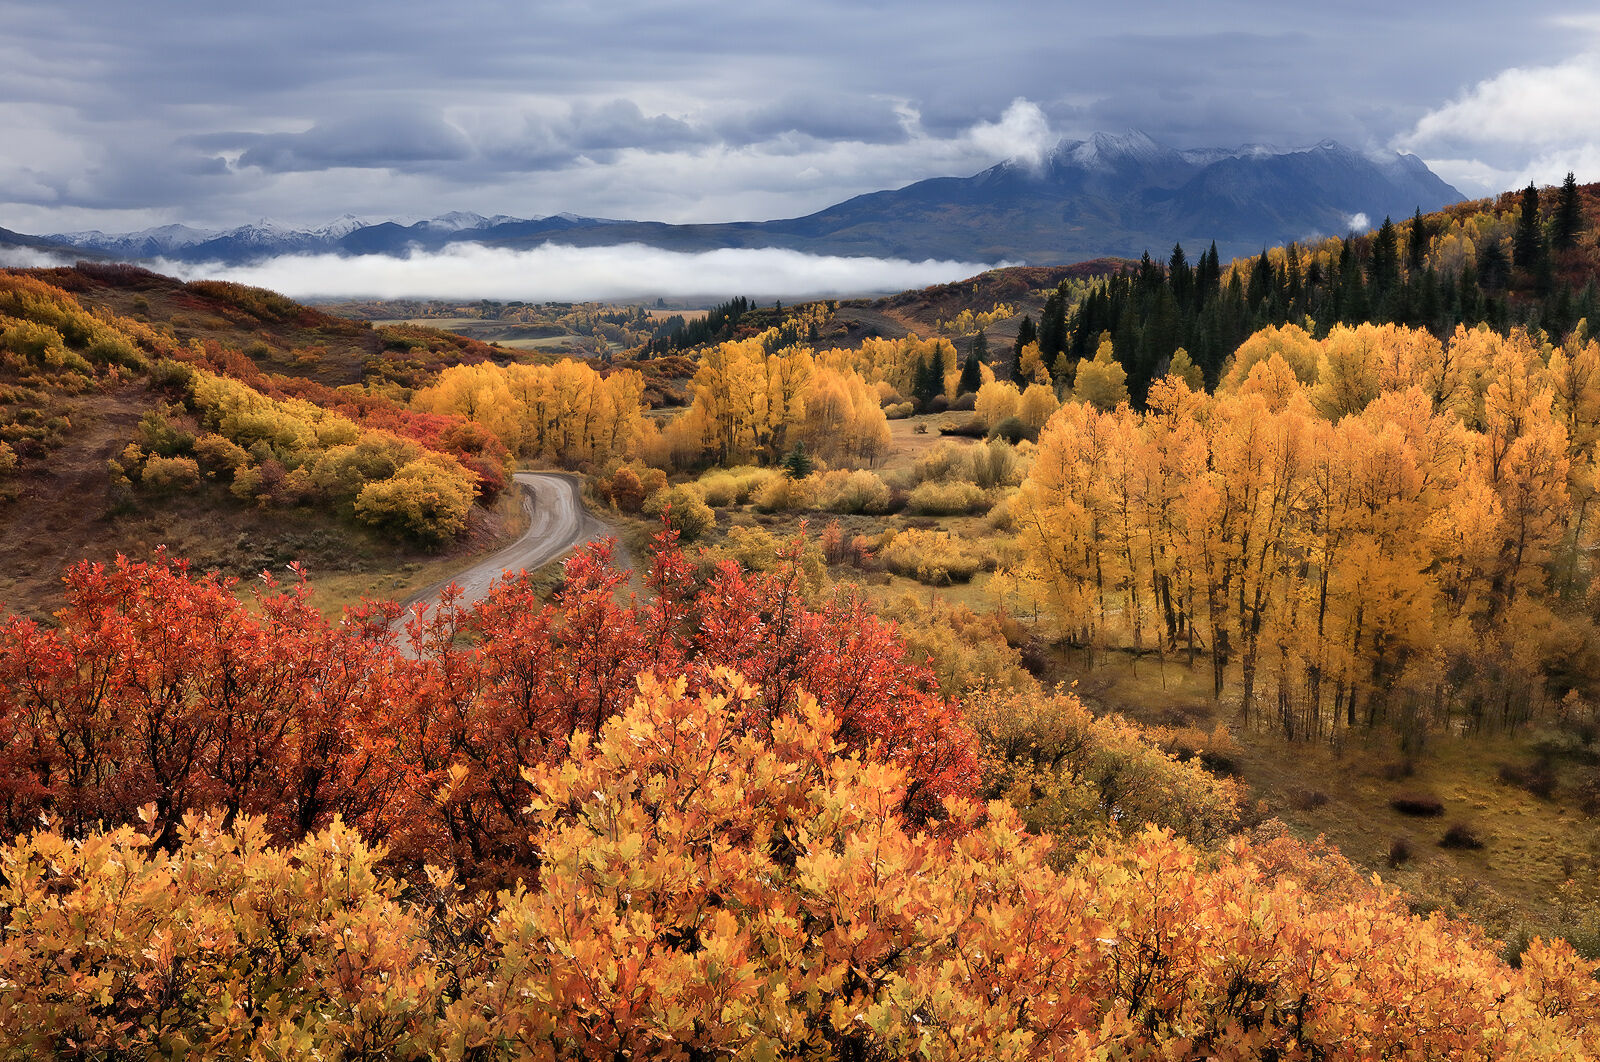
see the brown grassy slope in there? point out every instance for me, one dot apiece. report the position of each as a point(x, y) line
point(59, 505)
point(920, 310)
point(65, 511)
point(281, 336)
point(1531, 845)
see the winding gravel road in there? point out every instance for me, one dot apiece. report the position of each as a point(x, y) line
point(557, 522)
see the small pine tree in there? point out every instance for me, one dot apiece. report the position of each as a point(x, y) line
point(798, 464)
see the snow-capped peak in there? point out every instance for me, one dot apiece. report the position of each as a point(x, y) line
point(342, 226)
point(161, 238)
point(458, 221)
point(262, 231)
point(1106, 149)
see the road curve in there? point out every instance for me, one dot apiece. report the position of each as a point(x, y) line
point(557, 522)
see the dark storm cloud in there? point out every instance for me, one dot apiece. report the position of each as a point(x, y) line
point(531, 141)
point(376, 140)
point(820, 116)
point(172, 110)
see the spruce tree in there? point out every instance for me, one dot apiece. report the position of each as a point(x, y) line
point(798, 464)
point(1294, 290)
point(1026, 334)
point(1569, 215)
point(1385, 262)
point(1417, 245)
point(1528, 242)
point(1211, 283)
point(971, 377)
point(925, 381)
point(1493, 269)
point(1179, 276)
point(1053, 325)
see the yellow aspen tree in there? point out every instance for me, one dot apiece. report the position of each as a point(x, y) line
point(1184, 368)
point(996, 401)
point(1575, 378)
point(1038, 403)
point(1291, 343)
point(1031, 366)
point(1259, 458)
point(1347, 373)
point(1060, 515)
point(1176, 458)
point(1401, 355)
point(1274, 381)
point(843, 421)
point(1102, 383)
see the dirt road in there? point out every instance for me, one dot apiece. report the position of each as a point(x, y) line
point(557, 522)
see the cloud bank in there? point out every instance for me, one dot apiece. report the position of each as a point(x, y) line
point(558, 273)
point(31, 258)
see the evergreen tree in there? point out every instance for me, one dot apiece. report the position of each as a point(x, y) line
point(1026, 334)
point(1417, 245)
point(1053, 325)
point(927, 381)
point(1528, 242)
point(1180, 277)
point(971, 377)
point(798, 464)
point(1260, 281)
point(1294, 289)
point(1212, 280)
point(1569, 215)
point(1385, 263)
point(1493, 269)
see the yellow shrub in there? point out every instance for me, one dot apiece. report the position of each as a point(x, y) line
point(428, 498)
point(946, 499)
point(851, 492)
point(170, 473)
point(933, 557)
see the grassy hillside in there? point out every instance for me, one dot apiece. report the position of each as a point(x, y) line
point(95, 360)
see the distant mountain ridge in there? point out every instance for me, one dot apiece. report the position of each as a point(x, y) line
point(1108, 195)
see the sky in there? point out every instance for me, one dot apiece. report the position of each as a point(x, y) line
point(119, 116)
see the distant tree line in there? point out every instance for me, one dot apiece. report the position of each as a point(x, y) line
point(675, 333)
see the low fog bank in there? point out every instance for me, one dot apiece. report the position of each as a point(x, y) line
point(14, 257)
point(557, 273)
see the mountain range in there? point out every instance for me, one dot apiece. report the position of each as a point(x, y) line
point(1105, 196)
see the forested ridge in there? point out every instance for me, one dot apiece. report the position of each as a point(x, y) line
point(1526, 258)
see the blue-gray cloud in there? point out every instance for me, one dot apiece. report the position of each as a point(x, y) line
point(371, 141)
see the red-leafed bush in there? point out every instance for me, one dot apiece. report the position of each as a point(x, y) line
point(163, 689)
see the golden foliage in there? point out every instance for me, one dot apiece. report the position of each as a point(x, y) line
point(1359, 542)
point(708, 892)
